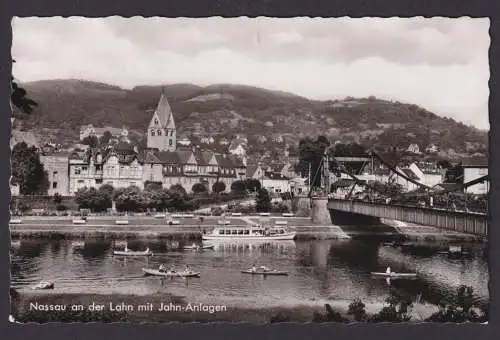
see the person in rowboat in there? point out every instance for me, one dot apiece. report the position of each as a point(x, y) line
point(254, 268)
point(161, 268)
point(264, 268)
point(126, 248)
point(388, 270)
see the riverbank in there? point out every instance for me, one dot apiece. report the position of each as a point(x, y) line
point(164, 307)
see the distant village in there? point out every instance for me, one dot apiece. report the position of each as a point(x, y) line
point(169, 160)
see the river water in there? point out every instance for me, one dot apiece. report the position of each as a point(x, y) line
point(320, 271)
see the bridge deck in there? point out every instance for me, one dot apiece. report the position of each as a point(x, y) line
point(460, 221)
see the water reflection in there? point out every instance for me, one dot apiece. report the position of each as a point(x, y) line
point(318, 270)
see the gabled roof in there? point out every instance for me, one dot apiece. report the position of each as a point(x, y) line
point(251, 169)
point(168, 157)
point(224, 162)
point(164, 112)
point(409, 173)
point(184, 156)
point(237, 162)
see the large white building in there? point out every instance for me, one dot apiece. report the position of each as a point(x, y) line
point(122, 166)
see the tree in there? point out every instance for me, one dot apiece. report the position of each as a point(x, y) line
point(329, 316)
point(19, 99)
point(27, 170)
point(154, 186)
point(238, 186)
point(219, 187)
point(179, 189)
point(397, 311)
point(252, 184)
point(106, 137)
point(130, 199)
point(263, 201)
point(108, 190)
point(90, 198)
point(357, 310)
point(199, 188)
point(458, 308)
point(311, 153)
point(91, 141)
point(57, 198)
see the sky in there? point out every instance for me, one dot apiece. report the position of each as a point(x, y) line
point(438, 63)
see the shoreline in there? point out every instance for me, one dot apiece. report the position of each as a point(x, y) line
point(179, 310)
point(46, 230)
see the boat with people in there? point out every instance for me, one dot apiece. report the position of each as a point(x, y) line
point(393, 275)
point(168, 273)
point(198, 247)
point(43, 285)
point(263, 270)
point(128, 252)
point(255, 232)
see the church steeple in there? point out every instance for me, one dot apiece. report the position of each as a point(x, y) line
point(161, 130)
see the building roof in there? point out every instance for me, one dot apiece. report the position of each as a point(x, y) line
point(224, 162)
point(410, 174)
point(343, 183)
point(237, 162)
point(184, 156)
point(164, 112)
point(274, 175)
point(251, 169)
point(168, 157)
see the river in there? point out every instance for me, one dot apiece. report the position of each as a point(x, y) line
point(320, 271)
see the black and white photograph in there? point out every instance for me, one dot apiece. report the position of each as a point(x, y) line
point(258, 170)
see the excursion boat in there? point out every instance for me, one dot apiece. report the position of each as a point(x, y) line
point(395, 275)
point(250, 233)
point(44, 285)
point(156, 272)
point(128, 252)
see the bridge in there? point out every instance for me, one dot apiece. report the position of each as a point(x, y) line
point(345, 212)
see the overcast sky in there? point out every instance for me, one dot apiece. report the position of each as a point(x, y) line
point(439, 63)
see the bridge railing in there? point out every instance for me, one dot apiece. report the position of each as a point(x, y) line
point(460, 221)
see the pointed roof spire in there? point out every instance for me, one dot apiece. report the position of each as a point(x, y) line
point(163, 110)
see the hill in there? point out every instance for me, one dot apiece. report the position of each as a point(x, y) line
point(225, 109)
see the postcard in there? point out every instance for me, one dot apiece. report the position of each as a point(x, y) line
point(257, 170)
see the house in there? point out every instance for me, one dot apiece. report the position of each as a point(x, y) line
point(275, 183)
point(254, 171)
point(429, 174)
point(413, 148)
point(278, 139)
point(432, 149)
point(57, 167)
point(118, 166)
point(299, 186)
point(238, 150)
point(90, 130)
point(184, 142)
point(473, 171)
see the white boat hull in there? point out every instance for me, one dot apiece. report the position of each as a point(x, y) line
point(280, 237)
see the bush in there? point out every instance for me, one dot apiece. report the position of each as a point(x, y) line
point(199, 188)
point(61, 207)
point(238, 187)
point(263, 201)
point(357, 310)
point(280, 208)
point(329, 316)
point(219, 187)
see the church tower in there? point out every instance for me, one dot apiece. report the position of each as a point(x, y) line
point(161, 129)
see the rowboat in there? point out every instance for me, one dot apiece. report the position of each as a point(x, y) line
point(224, 222)
point(287, 215)
point(155, 272)
point(394, 275)
point(44, 285)
point(173, 222)
point(281, 222)
point(79, 221)
point(236, 214)
point(146, 252)
point(195, 247)
point(15, 221)
point(121, 222)
point(265, 272)
point(265, 214)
